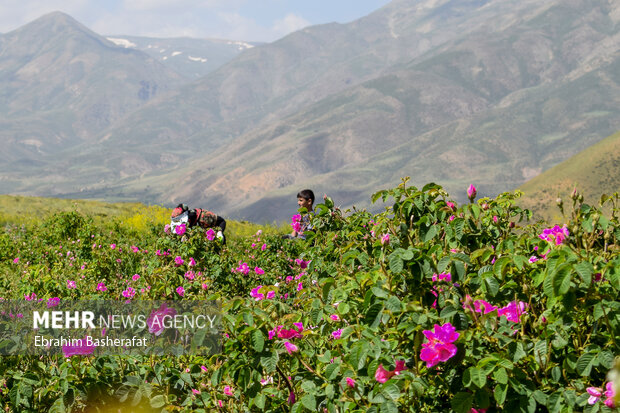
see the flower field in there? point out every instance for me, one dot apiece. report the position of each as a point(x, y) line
point(429, 306)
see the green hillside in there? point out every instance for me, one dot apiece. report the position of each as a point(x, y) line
point(593, 172)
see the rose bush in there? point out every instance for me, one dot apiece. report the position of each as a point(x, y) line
point(428, 306)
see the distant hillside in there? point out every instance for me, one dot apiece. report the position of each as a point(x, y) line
point(593, 172)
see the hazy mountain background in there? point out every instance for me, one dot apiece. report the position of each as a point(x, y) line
point(457, 92)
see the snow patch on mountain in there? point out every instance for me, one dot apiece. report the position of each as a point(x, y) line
point(122, 42)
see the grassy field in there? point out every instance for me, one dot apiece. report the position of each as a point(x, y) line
point(24, 209)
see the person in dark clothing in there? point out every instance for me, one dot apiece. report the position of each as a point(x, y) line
point(198, 216)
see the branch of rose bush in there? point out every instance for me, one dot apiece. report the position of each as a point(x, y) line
point(286, 380)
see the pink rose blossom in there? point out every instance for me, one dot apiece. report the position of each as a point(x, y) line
point(228, 391)
point(129, 293)
point(471, 192)
point(71, 284)
point(439, 347)
point(350, 382)
point(385, 239)
point(337, 334)
point(296, 223)
point(180, 229)
point(555, 234)
point(101, 287)
point(513, 311)
point(257, 296)
point(178, 261)
point(181, 291)
point(290, 333)
point(595, 394)
point(210, 234)
point(290, 347)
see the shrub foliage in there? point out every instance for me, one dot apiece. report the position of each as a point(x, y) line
point(428, 306)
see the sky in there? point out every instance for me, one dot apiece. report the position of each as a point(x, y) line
point(249, 20)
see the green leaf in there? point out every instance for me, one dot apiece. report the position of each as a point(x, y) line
point(158, 402)
point(58, 406)
point(500, 376)
point(584, 364)
point(519, 353)
point(269, 362)
point(309, 402)
point(554, 402)
point(396, 263)
point(391, 391)
point(492, 285)
point(357, 355)
point(389, 407)
point(540, 352)
point(329, 283)
point(461, 402)
point(431, 233)
point(459, 224)
point(373, 315)
point(332, 371)
point(476, 377)
point(258, 340)
point(259, 401)
point(308, 386)
point(499, 393)
point(447, 312)
point(548, 286)
point(443, 264)
point(393, 304)
point(407, 254)
point(377, 195)
point(561, 280)
point(606, 359)
point(585, 271)
point(540, 397)
point(520, 261)
point(297, 407)
point(379, 292)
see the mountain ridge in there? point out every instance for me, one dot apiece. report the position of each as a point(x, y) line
point(488, 91)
